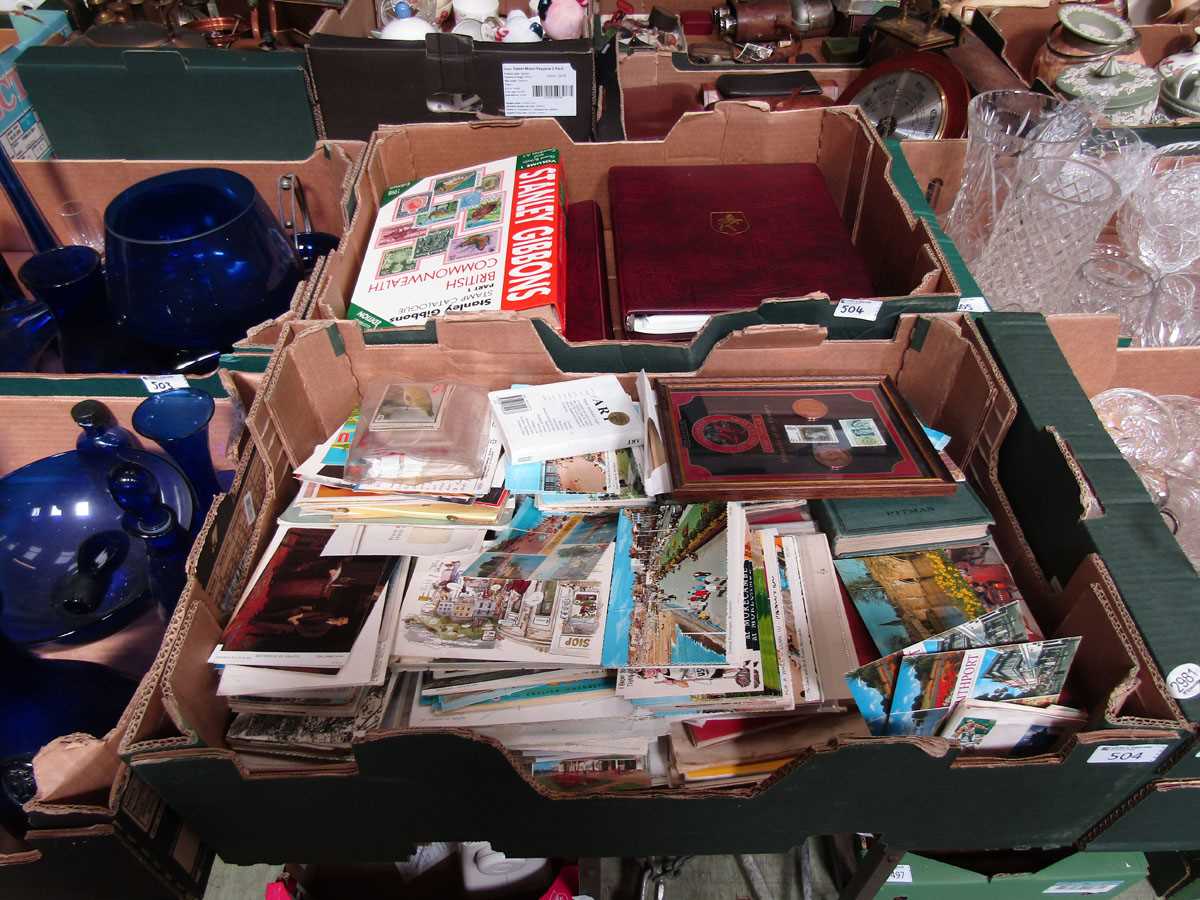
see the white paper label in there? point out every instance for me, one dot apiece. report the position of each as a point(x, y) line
point(973, 304)
point(858, 309)
point(156, 384)
point(539, 89)
point(248, 509)
point(1082, 887)
point(902, 874)
point(1183, 682)
point(1127, 753)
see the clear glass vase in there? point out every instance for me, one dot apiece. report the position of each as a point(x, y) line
point(1045, 230)
point(1006, 128)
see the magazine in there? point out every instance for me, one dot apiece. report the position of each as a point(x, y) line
point(929, 684)
point(906, 597)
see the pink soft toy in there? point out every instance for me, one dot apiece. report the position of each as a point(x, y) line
point(564, 20)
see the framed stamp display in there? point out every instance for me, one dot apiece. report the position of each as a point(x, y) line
point(752, 438)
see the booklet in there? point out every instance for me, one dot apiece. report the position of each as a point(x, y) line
point(488, 237)
point(929, 684)
point(565, 418)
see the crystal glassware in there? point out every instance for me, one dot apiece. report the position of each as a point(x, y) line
point(1045, 230)
point(177, 420)
point(1186, 411)
point(1142, 426)
point(1114, 285)
point(1121, 153)
point(1173, 320)
point(70, 281)
point(193, 259)
point(1005, 128)
point(81, 224)
point(1160, 222)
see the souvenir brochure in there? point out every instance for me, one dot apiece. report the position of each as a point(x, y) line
point(770, 438)
point(487, 237)
point(906, 597)
point(872, 684)
point(929, 684)
point(610, 478)
point(1010, 729)
point(566, 418)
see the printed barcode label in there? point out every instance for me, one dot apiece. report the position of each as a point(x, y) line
point(1127, 753)
point(513, 404)
point(539, 89)
point(156, 384)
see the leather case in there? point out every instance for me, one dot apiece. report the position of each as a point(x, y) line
point(588, 316)
point(709, 239)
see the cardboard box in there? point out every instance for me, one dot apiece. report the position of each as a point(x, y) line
point(1012, 876)
point(1174, 875)
point(648, 76)
point(326, 173)
point(898, 786)
point(133, 847)
point(116, 103)
point(900, 249)
point(87, 808)
point(363, 83)
point(21, 132)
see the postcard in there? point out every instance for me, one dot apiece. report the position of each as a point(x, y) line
point(302, 608)
point(928, 685)
point(608, 478)
point(410, 405)
point(906, 597)
point(682, 590)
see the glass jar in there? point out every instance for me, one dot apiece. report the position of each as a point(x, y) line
point(1084, 36)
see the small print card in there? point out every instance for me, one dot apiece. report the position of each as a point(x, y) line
point(811, 434)
point(862, 433)
point(409, 406)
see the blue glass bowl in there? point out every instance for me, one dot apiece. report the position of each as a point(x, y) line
point(194, 258)
point(68, 570)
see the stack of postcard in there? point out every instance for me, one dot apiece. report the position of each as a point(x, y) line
point(304, 657)
point(327, 497)
point(964, 657)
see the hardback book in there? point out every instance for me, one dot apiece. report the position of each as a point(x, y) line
point(906, 597)
point(867, 525)
point(565, 418)
point(588, 317)
point(481, 238)
point(698, 240)
point(928, 685)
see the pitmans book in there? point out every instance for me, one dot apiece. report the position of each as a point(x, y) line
point(487, 237)
point(902, 523)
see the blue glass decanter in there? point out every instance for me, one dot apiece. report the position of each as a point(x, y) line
point(68, 569)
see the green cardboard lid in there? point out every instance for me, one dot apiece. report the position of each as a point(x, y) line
point(1115, 84)
point(1095, 25)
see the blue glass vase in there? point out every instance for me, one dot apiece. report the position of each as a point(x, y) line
point(40, 235)
point(150, 520)
point(194, 258)
point(70, 281)
point(177, 421)
point(68, 569)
